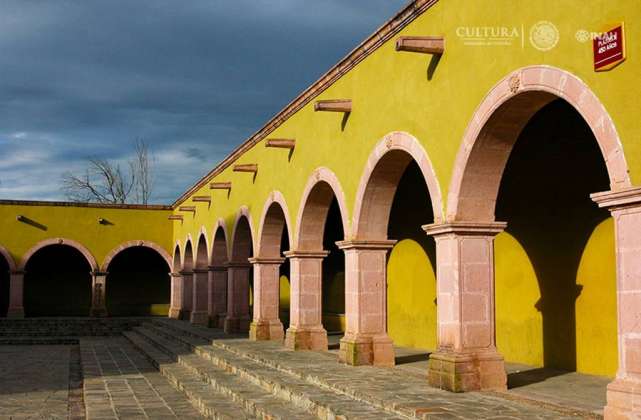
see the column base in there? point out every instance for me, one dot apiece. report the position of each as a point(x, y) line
point(624, 400)
point(217, 320)
point(306, 338)
point(184, 315)
point(98, 312)
point(236, 325)
point(199, 317)
point(462, 372)
point(357, 350)
point(174, 313)
point(266, 330)
point(15, 313)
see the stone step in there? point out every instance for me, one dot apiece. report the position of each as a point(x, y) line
point(322, 401)
point(253, 400)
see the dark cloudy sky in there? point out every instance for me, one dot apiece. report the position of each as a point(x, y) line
point(194, 78)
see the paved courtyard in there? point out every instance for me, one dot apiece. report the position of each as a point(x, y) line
point(109, 378)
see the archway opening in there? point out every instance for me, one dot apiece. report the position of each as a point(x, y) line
point(4, 286)
point(57, 282)
point(333, 295)
point(555, 263)
point(284, 282)
point(240, 304)
point(218, 289)
point(138, 283)
point(411, 274)
point(188, 282)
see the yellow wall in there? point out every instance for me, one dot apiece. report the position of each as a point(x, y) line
point(81, 224)
point(411, 296)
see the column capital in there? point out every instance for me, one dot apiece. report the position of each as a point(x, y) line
point(366, 244)
point(617, 200)
point(185, 273)
point(266, 260)
point(221, 267)
point(175, 274)
point(465, 228)
point(238, 264)
point(200, 270)
point(299, 253)
point(99, 273)
point(16, 272)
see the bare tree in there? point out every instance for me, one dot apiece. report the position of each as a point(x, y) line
point(105, 182)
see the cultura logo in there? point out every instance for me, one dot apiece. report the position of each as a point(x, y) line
point(544, 35)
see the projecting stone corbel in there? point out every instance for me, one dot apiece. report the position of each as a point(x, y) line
point(247, 167)
point(175, 217)
point(421, 44)
point(334, 105)
point(281, 143)
point(191, 209)
point(220, 186)
point(201, 199)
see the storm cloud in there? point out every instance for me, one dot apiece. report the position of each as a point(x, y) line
point(83, 79)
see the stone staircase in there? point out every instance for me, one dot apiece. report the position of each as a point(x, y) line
point(52, 330)
point(224, 382)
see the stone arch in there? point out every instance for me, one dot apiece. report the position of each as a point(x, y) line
point(242, 237)
point(320, 190)
point(379, 181)
point(59, 241)
point(494, 128)
point(130, 244)
point(4, 252)
point(202, 253)
point(188, 255)
point(274, 219)
point(219, 241)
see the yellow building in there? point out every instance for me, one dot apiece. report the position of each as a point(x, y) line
point(455, 184)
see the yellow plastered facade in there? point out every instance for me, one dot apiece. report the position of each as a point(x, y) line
point(397, 91)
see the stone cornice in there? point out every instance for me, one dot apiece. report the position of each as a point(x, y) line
point(613, 200)
point(306, 254)
point(366, 244)
point(465, 228)
point(89, 205)
point(388, 30)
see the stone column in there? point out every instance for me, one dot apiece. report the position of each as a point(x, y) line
point(200, 294)
point(16, 283)
point(98, 293)
point(466, 358)
point(366, 341)
point(624, 393)
point(237, 319)
point(176, 295)
point(306, 330)
point(266, 324)
point(217, 302)
point(187, 302)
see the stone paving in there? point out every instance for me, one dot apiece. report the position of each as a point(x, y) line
point(119, 383)
point(34, 382)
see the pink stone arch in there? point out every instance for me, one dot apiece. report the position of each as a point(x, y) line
point(202, 250)
point(177, 259)
point(242, 236)
point(274, 219)
point(59, 241)
point(498, 121)
point(219, 240)
point(8, 258)
point(188, 255)
point(130, 244)
point(379, 181)
point(320, 190)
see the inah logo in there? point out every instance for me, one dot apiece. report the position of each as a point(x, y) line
point(544, 36)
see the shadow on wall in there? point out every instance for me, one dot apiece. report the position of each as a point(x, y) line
point(57, 282)
point(544, 197)
point(411, 275)
point(138, 283)
point(4, 287)
point(333, 272)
